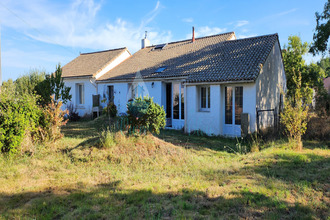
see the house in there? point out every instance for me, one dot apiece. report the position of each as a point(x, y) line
point(326, 83)
point(81, 73)
point(217, 84)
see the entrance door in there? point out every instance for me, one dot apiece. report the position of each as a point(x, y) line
point(233, 105)
point(168, 104)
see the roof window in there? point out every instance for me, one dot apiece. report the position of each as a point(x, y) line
point(159, 47)
point(160, 69)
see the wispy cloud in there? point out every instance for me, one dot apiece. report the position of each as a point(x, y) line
point(285, 12)
point(77, 26)
point(207, 31)
point(241, 23)
point(188, 20)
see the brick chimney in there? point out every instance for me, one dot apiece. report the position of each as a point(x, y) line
point(193, 34)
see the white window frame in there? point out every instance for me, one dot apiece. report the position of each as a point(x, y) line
point(80, 97)
point(207, 97)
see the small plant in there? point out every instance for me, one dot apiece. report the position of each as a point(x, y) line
point(107, 139)
point(53, 120)
point(73, 114)
point(110, 110)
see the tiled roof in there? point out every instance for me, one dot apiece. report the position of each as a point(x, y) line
point(89, 64)
point(208, 59)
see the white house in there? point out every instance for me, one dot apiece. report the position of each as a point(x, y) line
point(204, 83)
point(81, 74)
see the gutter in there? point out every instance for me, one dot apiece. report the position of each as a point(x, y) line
point(147, 79)
point(219, 83)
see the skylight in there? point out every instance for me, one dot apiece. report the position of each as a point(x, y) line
point(159, 47)
point(160, 69)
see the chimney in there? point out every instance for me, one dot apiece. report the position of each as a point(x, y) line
point(145, 42)
point(193, 34)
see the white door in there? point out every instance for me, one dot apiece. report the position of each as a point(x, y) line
point(233, 107)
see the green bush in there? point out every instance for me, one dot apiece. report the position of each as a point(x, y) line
point(19, 116)
point(110, 110)
point(144, 114)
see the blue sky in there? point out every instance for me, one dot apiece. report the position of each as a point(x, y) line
point(40, 33)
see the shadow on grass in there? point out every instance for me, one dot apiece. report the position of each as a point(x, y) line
point(309, 144)
point(85, 128)
point(197, 142)
point(309, 170)
point(108, 200)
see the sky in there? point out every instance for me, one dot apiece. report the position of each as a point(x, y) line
point(39, 34)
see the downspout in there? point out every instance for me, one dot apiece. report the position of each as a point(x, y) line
point(185, 109)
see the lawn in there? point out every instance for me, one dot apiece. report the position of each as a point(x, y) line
point(169, 176)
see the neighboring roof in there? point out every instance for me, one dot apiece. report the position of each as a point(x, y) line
point(326, 83)
point(89, 64)
point(208, 59)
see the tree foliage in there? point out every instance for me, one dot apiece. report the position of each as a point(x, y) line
point(28, 82)
point(53, 85)
point(322, 31)
point(324, 63)
point(311, 75)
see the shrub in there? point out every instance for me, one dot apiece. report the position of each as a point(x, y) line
point(318, 128)
point(144, 114)
point(52, 120)
point(73, 114)
point(294, 115)
point(110, 110)
point(107, 138)
point(19, 116)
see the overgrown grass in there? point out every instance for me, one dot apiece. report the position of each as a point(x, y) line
point(171, 176)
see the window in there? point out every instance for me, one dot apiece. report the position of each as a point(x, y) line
point(80, 94)
point(160, 47)
point(110, 94)
point(176, 100)
point(228, 105)
point(205, 97)
point(238, 104)
point(160, 69)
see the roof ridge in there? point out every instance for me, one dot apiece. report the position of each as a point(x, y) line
point(259, 36)
point(102, 51)
point(198, 38)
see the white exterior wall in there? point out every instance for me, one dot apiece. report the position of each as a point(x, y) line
point(122, 93)
point(213, 121)
point(268, 85)
point(208, 122)
point(89, 90)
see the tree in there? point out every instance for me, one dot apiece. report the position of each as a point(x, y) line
point(53, 85)
point(322, 31)
point(311, 75)
point(324, 63)
point(28, 82)
point(295, 113)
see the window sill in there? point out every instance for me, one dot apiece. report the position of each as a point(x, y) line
point(80, 106)
point(204, 110)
